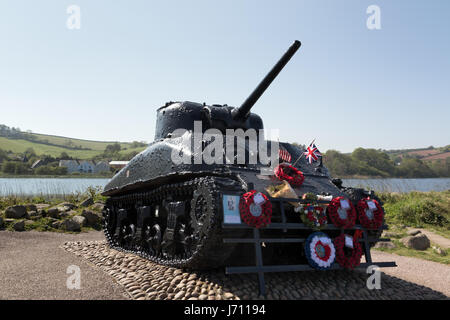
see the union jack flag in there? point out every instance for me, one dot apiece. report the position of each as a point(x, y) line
point(284, 155)
point(312, 153)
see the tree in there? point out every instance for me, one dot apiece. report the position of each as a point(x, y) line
point(30, 152)
point(3, 155)
point(64, 156)
point(112, 148)
point(414, 168)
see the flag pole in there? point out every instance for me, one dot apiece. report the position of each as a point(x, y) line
point(302, 153)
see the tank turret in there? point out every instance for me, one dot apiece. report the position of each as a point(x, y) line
point(181, 115)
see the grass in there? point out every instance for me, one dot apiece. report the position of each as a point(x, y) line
point(428, 254)
point(418, 209)
point(90, 144)
point(95, 147)
point(20, 146)
point(428, 210)
point(75, 197)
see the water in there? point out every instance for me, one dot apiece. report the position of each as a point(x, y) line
point(400, 185)
point(65, 186)
point(47, 186)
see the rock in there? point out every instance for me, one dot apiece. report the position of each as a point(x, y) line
point(33, 213)
point(56, 224)
point(36, 217)
point(227, 295)
point(67, 204)
point(41, 206)
point(385, 244)
point(71, 225)
point(53, 212)
point(179, 295)
point(16, 212)
point(98, 206)
point(92, 217)
point(30, 207)
point(28, 222)
point(87, 202)
point(63, 208)
point(439, 251)
point(80, 220)
point(387, 234)
point(413, 232)
point(418, 242)
point(19, 225)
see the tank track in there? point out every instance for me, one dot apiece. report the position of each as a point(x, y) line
point(203, 220)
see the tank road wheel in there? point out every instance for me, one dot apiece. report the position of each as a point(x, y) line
point(127, 235)
point(153, 239)
point(182, 228)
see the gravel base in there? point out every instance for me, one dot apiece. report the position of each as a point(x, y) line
point(145, 280)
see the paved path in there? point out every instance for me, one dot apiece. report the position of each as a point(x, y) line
point(33, 266)
point(435, 238)
point(426, 273)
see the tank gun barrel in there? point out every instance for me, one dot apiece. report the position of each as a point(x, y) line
point(242, 112)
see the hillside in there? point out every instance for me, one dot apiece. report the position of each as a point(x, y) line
point(425, 154)
point(18, 142)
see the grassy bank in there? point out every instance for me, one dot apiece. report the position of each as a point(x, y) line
point(427, 210)
point(430, 210)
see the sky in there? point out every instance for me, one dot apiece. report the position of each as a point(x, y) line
point(347, 86)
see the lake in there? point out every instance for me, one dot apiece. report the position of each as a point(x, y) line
point(65, 186)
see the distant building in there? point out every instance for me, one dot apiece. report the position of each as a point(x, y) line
point(118, 164)
point(84, 166)
point(40, 162)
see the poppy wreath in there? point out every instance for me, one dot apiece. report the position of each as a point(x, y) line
point(255, 215)
point(348, 258)
point(340, 217)
point(372, 219)
point(314, 216)
point(289, 173)
point(320, 251)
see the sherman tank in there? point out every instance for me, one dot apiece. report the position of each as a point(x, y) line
point(172, 212)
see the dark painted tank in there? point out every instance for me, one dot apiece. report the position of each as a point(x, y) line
point(171, 212)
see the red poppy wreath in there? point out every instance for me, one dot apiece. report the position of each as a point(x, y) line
point(289, 173)
point(342, 213)
point(255, 209)
point(370, 213)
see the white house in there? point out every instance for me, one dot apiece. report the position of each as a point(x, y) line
point(84, 166)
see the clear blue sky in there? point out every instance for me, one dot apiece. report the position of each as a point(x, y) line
point(347, 86)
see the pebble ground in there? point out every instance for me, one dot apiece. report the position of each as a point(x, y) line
point(145, 280)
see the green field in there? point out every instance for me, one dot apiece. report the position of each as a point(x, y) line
point(89, 144)
point(54, 146)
